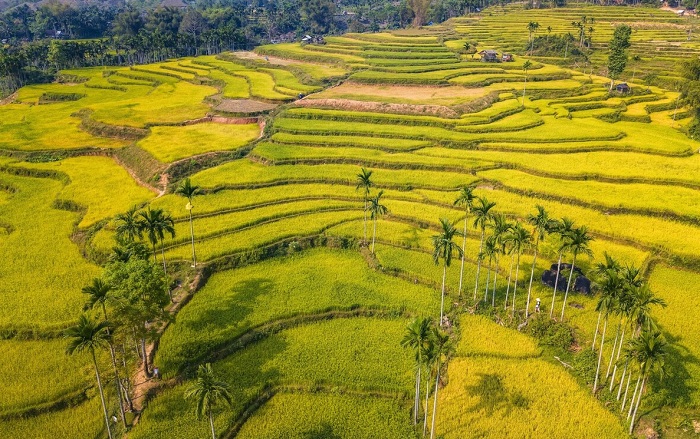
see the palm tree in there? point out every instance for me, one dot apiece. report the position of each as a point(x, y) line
point(128, 227)
point(466, 199)
point(649, 352)
point(365, 183)
point(526, 67)
point(376, 209)
point(187, 190)
point(610, 287)
point(441, 342)
point(501, 227)
point(578, 244)
point(482, 219)
point(519, 239)
point(90, 335)
point(157, 222)
point(603, 269)
point(541, 224)
point(532, 28)
point(429, 357)
point(490, 250)
point(208, 392)
point(97, 292)
point(563, 229)
point(640, 308)
point(443, 246)
point(416, 336)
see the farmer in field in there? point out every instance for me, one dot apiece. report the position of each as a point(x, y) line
point(537, 305)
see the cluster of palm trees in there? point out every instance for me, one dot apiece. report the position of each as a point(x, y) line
point(507, 239)
point(373, 205)
point(625, 296)
point(156, 223)
point(431, 346)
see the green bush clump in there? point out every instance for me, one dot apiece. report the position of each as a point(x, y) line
point(551, 333)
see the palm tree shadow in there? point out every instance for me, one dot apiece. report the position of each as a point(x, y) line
point(323, 431)
point(493, 396)
point(679, 384)
point(229, 316)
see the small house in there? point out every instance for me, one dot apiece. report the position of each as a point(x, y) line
point(507, 57)
point(489, 55)
point(622, 88)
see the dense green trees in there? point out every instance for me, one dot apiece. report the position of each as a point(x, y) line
point(617, 59)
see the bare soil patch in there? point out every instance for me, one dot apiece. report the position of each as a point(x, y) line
point(271, 59)
point(379, 107)
point(402, 94)
point(244, 106)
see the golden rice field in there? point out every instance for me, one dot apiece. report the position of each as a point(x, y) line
point(301, 320)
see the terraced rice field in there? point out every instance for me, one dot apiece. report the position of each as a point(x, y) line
point(291, 310)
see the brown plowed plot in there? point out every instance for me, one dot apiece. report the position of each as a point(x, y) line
point(244, 106)
point(271, 59)
point(402, 94)
point(382, 107)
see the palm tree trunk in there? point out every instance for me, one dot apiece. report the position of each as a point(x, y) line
point(117, 381)
point(427, 394)
point(437, 381)
point(612, 354)
point(417, 399)
point(622, 381)
point(464, 248)
point(627, 388)
point(162, 252)
point(374, 233)
point(364, 223)
point(556, 283)
point(510, 275)
point(515, 283)
point(211, 424)
point(636, 407)
point(597, 326)
point(194, 256)
point(145, 357)
point(155, 255)
point(634, 396)
point(478, 263)
point(493, 290)
point(568, 285)
point(532, 275)
point(102, 395)
point(488, 281)
point(525, 85)
point(442, 300)
point(617, 357)
point(600, 355)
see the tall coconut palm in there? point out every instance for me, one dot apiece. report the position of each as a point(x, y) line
point(416, 337)
point(562, 228)
point(642, 300)
point(429, 359)
point(208, 392)
point(482, 214)
point(501, 227)
point(465, 199)
point(128, 227)
point(97, 293)
point(364, 182)
point(526, 67)
point(579, 241)
point(490, 250)
point(602, 270)
point(442, 347)
point(443, 248)
point(532, 29)
point(88, 335)
point(188, 190)
point(649, 351)
point(541, 224)
point(157, 222)
point(610, 286)
point(376, 209)
point(519, 239)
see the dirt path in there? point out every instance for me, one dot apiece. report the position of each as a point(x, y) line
point(142, 384)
